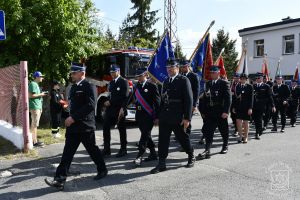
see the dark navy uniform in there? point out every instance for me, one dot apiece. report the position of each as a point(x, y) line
point(176, 106)
point(281, 93)
point(119, 92)
point(195, 84)
point(244, 101)
point(145, 118)
point(268, 112)
point(217, 100)
point(82, 109)
point(262, 96)
point(55, 110)
point(233, 97)
point(293, 104)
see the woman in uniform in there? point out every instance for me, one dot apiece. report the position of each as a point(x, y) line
point(244, 104)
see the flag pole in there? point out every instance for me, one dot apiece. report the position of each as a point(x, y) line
point(277, 69)
point(243, 54)
point(219, 56)
point(202, 39)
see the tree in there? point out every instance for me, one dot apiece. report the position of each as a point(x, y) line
point(230, 55)
point(138, 27)
point(49, 34)
point(178, 51)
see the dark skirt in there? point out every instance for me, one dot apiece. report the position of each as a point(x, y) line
point(242, 113)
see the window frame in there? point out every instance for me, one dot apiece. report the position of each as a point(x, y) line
point(284, 44)
point(256, 45)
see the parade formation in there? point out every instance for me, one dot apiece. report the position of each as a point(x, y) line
point(171, 107)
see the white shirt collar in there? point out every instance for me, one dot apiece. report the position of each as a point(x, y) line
point(116, 79)
point(79, 82)
point(172, 78)
point(215, 81)
point(143, 84)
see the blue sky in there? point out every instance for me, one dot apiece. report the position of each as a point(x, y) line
point(194, 16)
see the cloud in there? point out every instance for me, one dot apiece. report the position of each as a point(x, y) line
point(100, 14)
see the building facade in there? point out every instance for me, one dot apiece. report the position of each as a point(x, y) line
point(277, 41)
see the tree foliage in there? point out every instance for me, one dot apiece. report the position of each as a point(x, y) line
point(49, 34)
point(230, 55)
point(138, 28)
point(178, 51)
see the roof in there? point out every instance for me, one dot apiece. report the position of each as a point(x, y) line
point(283, 22)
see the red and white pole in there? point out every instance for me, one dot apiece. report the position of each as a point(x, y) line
point(25, 115)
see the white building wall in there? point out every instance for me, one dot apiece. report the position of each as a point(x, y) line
point(273, 47)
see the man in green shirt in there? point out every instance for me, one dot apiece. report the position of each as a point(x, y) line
point(35, 105)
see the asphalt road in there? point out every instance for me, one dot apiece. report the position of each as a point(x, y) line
point(264, 169)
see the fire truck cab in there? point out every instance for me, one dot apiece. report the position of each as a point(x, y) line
point(129, 60)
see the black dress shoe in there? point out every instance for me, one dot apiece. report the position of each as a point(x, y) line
point(101, 175)
point(293, 125)
point(158, 168)
point(201, 141)
point(224, 150)
point(151, 157)
point(274, 129)
point(121, 153)
point(204, 155)
point(106, 152)
point(191, 161)
point(257, 137)
point(138, 161)
point(282, 130)
point(55, 183)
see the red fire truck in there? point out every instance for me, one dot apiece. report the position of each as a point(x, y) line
point(98, 73)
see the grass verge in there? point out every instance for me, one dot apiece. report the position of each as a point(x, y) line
point(9, 151)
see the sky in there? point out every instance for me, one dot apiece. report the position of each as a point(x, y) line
point(194, 16)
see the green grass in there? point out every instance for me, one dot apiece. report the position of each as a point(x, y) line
point(9, 151)
point(45, 135)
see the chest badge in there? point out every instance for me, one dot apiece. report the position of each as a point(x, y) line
point(118, 88)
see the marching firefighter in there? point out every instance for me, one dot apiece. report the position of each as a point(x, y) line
point(281, 93)
point(147, 110)
point(175, 115)
point(293, 102)
point(217, 102)
point(262, 96)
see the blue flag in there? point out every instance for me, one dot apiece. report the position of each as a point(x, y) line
point(157, 67)
point(197, 62)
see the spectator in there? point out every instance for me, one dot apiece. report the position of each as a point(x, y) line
point(56, 107)
point(35, 105)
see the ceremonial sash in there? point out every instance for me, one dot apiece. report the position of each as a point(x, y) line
point(143, 103)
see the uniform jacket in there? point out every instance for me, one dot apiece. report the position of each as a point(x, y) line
point(262, 96)
point(82, 107)
point(150, 94)
point(244, 96)
point(281, 93)
point(177, 100)
point(195, 84)
point(217, 97)
point(55, 106)
point(295, 96)
point(119, 92)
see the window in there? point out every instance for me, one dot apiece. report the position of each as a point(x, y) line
point(288, 44)
point(259, 48)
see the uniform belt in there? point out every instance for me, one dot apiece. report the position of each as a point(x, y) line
point(175, 101)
